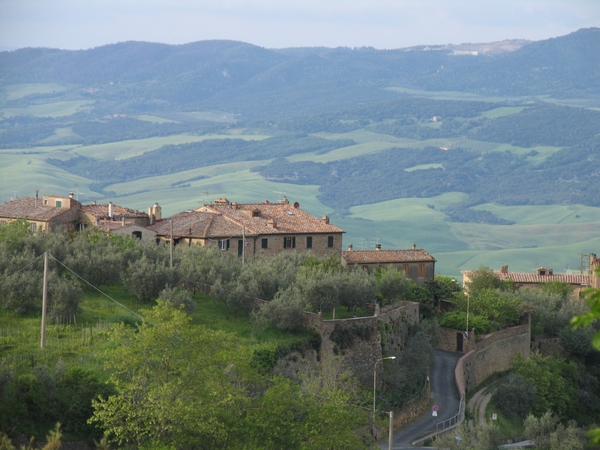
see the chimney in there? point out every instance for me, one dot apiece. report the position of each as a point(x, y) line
point(504, 269)
point(349, 247)
point(550, 271)
point(94, 203)
point(414, 246)
point(110, 210)
point(71, 194)
point(377, 246)
point(37, 191)
point(271, 223)
point(157, 212)
point(325, 220)
point(234, 205)
point(285, 201)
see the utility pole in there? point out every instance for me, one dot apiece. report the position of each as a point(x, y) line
point(391, 437)
point(171, 245)
point(44, 301)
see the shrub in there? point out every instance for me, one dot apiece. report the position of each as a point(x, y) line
point(515, 396)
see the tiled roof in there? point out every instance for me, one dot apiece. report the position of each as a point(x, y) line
point(197, 224)
point(110, 225)
point(101, 211)
point(229, 220)
point(386, 256)
point(286, 218)
point(30, 209)
point(534, 278)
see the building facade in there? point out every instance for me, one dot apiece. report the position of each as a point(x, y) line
point(251, 230)
point(416, 263)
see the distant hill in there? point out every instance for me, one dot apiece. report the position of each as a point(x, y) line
point(257, 82)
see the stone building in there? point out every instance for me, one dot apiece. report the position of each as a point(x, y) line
point(51, 212)
point(542, 275)
point(416, 263)
point(254, 229)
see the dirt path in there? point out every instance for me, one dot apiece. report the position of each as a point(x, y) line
point(478, 403)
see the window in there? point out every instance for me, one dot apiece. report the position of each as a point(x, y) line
point(289, 242)
point(33, 227)
point(58, 203)
point(2, 223)
point(224, 244)
point(240, 247)
point(421, 270)
point(309, 242)
point(264, 243)
point(136, 234)
point(330, 241)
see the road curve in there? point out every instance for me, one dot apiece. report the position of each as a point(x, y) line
point(445, 395)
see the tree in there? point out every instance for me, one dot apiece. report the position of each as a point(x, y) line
point(179, 299)
point(484, 278)
point(175, 383)
point(586, 319)
point(145, 278)
point(393, 285)
point(12, 232)
point(64, 296)
point(515, 396)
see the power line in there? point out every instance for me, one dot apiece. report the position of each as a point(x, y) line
point(22, 269)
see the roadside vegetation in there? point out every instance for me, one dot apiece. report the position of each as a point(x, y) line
point(193, 348)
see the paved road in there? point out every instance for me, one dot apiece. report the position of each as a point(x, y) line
point(445, 395)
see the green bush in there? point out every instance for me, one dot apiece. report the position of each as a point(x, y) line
point(457, 320)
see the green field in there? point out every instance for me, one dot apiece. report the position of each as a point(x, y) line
point(56, 109)
point(17, 91)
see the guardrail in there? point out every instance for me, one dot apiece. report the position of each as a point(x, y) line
point(454, 420)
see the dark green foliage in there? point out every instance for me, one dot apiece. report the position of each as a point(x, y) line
point(405, 376)
point(442, 288)
point(553, 379)
point(578, 342)
point(145, 278)
point(177, 158)
point(484, 278)
point(64, 296)
point(394, 285)
point(425, 299)
point(457, 320)
point(263, 360)
point(514, 396)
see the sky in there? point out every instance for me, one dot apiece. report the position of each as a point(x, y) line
point(383, 24)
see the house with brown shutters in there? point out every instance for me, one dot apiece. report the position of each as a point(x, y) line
point(51, 212)
point(255, 229)
point(416, 263)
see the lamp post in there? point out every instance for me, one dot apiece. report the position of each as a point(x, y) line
point(375, 385)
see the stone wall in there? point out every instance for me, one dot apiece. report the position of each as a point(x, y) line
point(494, 353)
point(549, 347)
point(359, 340)
point(447, 340)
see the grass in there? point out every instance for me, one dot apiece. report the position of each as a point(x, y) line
point(55, 109)
point(82, 344)
point(136, 147)
point(424, 167)
point(511, 428)
point(17, 91)
point(502, 111)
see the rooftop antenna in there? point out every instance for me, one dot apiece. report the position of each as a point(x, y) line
point(14, 194)
point(280, 194)
point(362, 243)
point(77, 191)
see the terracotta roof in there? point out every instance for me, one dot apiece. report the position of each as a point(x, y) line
point(101, 211)
point(30, 209)
point(110, 225)
point(534, 278)
point(386, 256)
point(285, 219)
point(197, 224)
point(228, 220)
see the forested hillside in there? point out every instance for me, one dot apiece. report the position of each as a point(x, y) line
point(515, 125)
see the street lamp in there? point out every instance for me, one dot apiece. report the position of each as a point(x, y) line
point(375, 385)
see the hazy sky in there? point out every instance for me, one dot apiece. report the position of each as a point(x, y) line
point(76, 24)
